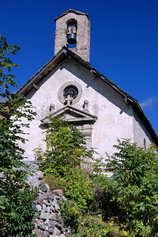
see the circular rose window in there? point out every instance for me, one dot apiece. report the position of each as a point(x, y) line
point(69, 93)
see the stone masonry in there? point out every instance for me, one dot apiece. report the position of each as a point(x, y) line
point(83, 34)
point(48, 221)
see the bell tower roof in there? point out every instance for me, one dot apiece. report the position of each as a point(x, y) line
point(71, 11)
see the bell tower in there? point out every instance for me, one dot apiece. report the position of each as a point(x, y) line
point(73, 31)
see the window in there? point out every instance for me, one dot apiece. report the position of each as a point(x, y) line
point(71, 33)
point(69, 93)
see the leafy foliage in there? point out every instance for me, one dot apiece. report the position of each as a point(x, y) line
point(62, 164)
point(97, 202)
point(134, 188)
point(15, 195)
point(65, 149)
point(62, 159)
point(94, 226)
point(71, 214)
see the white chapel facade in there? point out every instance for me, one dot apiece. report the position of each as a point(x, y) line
point(68, 87)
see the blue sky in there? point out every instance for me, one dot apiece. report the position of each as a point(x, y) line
point(124, 41)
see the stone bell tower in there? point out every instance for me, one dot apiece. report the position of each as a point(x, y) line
point(73, 31)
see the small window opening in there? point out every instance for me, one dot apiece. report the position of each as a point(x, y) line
point(71, 33)
point(70, 93)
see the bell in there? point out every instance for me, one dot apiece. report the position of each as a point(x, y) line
point(71, 38)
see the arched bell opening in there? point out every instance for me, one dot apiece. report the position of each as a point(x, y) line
point(71, 33)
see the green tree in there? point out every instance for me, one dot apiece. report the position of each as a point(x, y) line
point(15, 195)
point(134, 188)
point(62, 163)
point(66, 149)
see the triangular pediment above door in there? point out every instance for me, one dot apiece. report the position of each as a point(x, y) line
point(72, 115)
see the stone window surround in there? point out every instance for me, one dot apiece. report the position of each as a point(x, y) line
point(69, 83)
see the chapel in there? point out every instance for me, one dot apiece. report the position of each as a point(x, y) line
point(69, 87)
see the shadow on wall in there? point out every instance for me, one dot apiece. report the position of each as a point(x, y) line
point(98, 85)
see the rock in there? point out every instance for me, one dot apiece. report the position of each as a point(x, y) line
point(44, 207)
point(59, 192)
point(39, 175)
point(42, 196)
point(59, 226)
point(44, 187)
point(63, 198)
point(45, 234)
point(38, 233)
point(53, 216)
point(51, 197)
point(46, 202)
point(49, 221)
point(48, 209)
point(38, 207)
point(50, 230)
point(50, 216)
point(41, 226)
point(52, 223)
point(56, 206)
point(34, 206)
point(56, 232)
point(44, 215)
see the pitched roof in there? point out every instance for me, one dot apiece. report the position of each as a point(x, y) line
point(61, 56)
point(71, 11)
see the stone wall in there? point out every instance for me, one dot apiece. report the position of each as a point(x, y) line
point(83, 34)
point(48, 221)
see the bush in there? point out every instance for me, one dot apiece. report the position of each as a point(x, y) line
point(15, 195)
point(55, 182)
point(79, 188)
point(76, 185)
point(135, 188)
point(71, 214)
point(93, 226)
point(61, 164)
point(104, 204)
point(65, 149)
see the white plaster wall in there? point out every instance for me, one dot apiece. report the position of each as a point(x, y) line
point(115, 119)
point(140, 133)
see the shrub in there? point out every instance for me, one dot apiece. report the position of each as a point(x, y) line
point(55, 182)
point(135, 176)
point(65, 149)
point(15, 195)
point(71, 214)
point(79, 188)
point(93, 226)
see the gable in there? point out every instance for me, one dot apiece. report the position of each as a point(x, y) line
point(102, 101)
point(71, 11)
point(67, 66)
